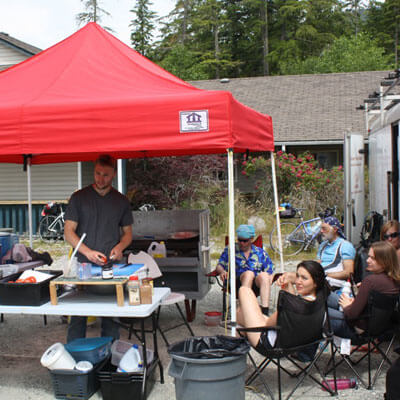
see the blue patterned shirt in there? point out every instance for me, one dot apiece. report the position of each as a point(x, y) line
point(257, 262)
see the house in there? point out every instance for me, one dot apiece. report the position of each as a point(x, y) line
point(14, 51)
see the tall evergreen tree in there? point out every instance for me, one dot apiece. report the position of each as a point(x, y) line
point(142, 27)
point(93, 13)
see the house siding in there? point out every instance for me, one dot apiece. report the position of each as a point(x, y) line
point(52, 182)
point(9, 56)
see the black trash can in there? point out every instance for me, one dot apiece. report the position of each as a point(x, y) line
point(209, 367)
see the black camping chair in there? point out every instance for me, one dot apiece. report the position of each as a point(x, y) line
point(381, 328)
point(300, 326)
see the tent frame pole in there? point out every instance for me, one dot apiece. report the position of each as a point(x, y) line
point(276, 201)
point(28, 174)
point(232, 263)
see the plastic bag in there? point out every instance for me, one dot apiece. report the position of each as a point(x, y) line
point(210, 347)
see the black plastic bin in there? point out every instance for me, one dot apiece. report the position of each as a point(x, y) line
point(25, 294)
point(74, 385)
point(124, 386)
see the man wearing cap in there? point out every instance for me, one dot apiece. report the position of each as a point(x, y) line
point(254, 268)
point(335, 253)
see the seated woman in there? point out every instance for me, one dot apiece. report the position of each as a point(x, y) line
point(390, 232)
point(383, 264)
point(310, 279)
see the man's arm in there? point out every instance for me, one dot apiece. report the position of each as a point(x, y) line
point(72, 238)
point(348, 268)
point(124, 242)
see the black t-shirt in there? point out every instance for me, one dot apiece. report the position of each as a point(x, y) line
point(100, 217)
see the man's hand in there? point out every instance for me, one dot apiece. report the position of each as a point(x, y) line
point(116, 253)
point(223, 275)
point(96, 257)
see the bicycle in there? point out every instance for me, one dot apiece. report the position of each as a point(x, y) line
point(51, 225)
point(296, 238)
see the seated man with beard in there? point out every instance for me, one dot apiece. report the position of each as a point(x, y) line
point(335, 253)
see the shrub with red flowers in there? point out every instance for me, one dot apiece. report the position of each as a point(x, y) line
point(300, 181)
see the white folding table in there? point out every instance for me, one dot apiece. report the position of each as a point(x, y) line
point(80, 303)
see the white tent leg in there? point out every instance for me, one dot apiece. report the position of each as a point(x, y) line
point(119, 175)
point(232, 264)
point(79, 173)
point(276, 201)
point(28, 174)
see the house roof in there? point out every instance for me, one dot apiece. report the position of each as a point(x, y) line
point(306, 108)
point(19, 46)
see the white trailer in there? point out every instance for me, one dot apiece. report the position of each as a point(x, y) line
point(384, 149)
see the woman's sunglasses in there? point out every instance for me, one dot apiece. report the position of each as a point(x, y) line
point(391, 235)
point(243, 240)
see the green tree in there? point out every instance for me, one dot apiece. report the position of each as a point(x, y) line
point(142, 27)
point(93, 13)
point(346, 54)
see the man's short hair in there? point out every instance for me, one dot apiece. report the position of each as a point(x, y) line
point(106, 161)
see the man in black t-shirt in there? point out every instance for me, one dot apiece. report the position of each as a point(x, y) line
point(104, 215)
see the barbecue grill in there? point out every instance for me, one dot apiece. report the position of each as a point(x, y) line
point(186, 237)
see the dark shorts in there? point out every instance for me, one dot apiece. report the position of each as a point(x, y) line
point(263, 344)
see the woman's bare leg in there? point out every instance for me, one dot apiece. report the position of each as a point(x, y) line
point(249, 314)
point(263, 282)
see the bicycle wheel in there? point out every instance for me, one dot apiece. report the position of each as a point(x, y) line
point(56, 232)
point(292, 239)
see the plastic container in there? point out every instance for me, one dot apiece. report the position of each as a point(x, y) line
point(133, 290)
point(125, 386)
point(120, 347)
point(157, 250)
point(341, 384)
point(57, 357)
point(74, 384)
point(221, 378)
point(90, 349)
point(5, 241)
point(84, 366)
point(212, 318)
point(346, 290)
point(84, 271)
point(26, 294)
point(131, 361)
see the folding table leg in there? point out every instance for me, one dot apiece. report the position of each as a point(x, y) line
point(190, 310)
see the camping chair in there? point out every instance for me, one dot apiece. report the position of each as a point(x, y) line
point(381, 329)
point(300, 326)
point(258, 241)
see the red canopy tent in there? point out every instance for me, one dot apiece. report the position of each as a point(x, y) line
point(92, 94)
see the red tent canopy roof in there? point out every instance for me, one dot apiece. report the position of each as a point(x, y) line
point(92, 94)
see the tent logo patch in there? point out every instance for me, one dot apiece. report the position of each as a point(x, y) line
point(193, 121)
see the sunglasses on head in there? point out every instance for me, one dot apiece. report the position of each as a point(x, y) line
point(243, 240)
point(391, 235)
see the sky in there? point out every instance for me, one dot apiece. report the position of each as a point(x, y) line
point(42, 23)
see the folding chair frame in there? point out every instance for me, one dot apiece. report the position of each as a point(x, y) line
point(373, 343)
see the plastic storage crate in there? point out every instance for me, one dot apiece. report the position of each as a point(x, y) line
point(121, 385)
point(93, 349)
point(25, 294)
point(75, 385)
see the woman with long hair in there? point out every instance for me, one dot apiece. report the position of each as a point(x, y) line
point(390, 232)
point(310, 281)
point(383, 264)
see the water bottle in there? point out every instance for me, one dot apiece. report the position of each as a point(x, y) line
point(131, 361)
point(347, 291)
point(347, 383)
point(315, 229)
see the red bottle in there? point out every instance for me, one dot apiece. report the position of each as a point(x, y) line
point(341, 384)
